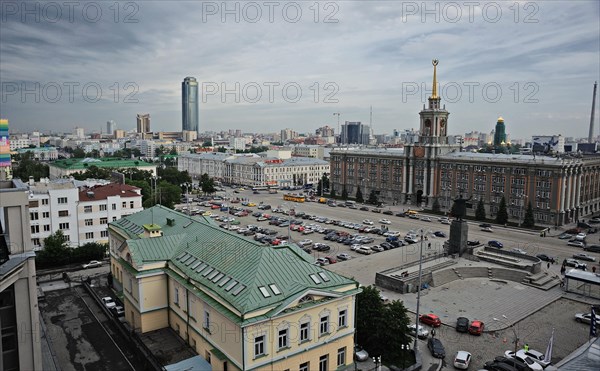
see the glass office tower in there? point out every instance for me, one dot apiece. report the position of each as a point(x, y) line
point(189, 104)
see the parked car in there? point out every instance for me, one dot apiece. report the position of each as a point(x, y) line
point(426, 219)
point(364, 208)
point(584, 256)
point(487, 229)
point(473, 243)
point(430, 319)
point(377, 248)
point(513, 362)
point(575, 243)
point(364, 250)
point(305, 242)
point(423, 332)
point(587, 318)
point(546, 258)
point(565, 236)
point(92, 264)
point(367, 222)
point(521, 356)
point(108, 302)
point(519, 251)
point(462, 324)
point(388, 212)
point(496, 244)
point(439, 234)
point(580, 236)
point(485, 225)
point(592, 248)
point(498, 366)
point(575, 264)
point(344, 256)
point(360, 354)
point(462, 360)
point(538, 357)
point(384, 221)
point(118, 311)
point(436, 348)
point(321, 261)
point(476, 328)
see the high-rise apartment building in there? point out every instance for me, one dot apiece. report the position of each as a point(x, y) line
point(189, 105)
point(111, 125)
point(355, 133)
point(143, 123)
point(325, 131)
point(4, 151)
point(288, 134)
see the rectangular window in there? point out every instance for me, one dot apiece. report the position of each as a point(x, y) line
point(341, 357)
point(206, 322)
point(131, 204)
point(103, 220)
point(303, 366)
point(87, 209)
point(33, 216)
point(114, 218)
point(45, 201)
point(324, 326)
point(342, 319)
point(36, 241)
point(62, 213)
point(304, 331)
point(35, 229)
point(114, 206)
point(47, 228)
point(283, 339)
point(63, 226)
point(176, 296)
point(124, 205)
point(89, 235)
point(89, 222)
point(46, 214)
point(62, 200)
point(103, 233)
point(323, 362)
point(102, 207)
point(259, 346)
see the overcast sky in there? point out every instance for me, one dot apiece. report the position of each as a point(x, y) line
point(534, 63)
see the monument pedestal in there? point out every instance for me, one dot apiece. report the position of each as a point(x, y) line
point(459, 232)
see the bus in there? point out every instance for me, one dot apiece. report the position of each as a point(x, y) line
point(260, 188)
point(293, 197)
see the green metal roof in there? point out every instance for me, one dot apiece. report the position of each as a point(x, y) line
point(105, 162)
point(244, 273)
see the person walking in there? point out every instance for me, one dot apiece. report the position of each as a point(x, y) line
point(526, 347)
point(548, 266)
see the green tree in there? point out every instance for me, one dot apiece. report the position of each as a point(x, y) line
point(393, 331)
point(144, 185)
point(207, 143)
point(332, 194)
point(528, 220)
point(160, 151)
point(28, 166)
point(502, 216)
point(78, 153)
point(373, 198)
point(92, 172)
point(480, 211)
point(359, 196)
point(436, 206)
point(174, 176)
point(55, 251)
point(173, 151)
point(369, 309)
point(344, 194)
point(207, 184)
point(166, 194)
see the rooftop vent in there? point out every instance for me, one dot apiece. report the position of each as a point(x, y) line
point(170, 222)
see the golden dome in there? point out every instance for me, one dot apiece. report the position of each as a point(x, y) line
point(500, 119)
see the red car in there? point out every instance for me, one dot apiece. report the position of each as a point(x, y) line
point(430, 319)
point(214, 207)
point(331, 260)
point(476, 328)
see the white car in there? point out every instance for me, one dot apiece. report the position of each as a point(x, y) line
point(462, 360)
point(521, 356)
point(580, 236)
point(108, 302)
point(384, 221)
point(575, 243)
point(344, 256)
point(308, 231)
point(519, 251)
point(423, 332)
point(355, 246)
point(92, 264)
point(487, 229)
point(367, 222)
point(305, 242)
point(587, 318)
point(538, 357)
point(426, 219)
point(377, 248)
point(446, 221)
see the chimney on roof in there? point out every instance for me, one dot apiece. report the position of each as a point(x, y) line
point(170, 222)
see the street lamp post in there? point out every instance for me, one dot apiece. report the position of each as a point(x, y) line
point(515, 333)
point(521, 200)
point(338, 124)
point(377, 361)
point(405, 351)
point(416, 346)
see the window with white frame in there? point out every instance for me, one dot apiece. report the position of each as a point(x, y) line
point(62, 200)
point(304, 331)
point(259, 346)
point(87, 209)
point(341, 357)
point(176, 296)
point(324, 325)
point(282, 339)
point(342, 318)
point(206, 321)
point(89, 222)
point(103, 233)
point(63, 226)
point(89, 235)
point(102, 207)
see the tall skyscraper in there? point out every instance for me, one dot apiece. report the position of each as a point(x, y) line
point(500, 132)
point(189, 105)
point(143, 123)
point(355, 133)
point(110, 127)
point(4, 151)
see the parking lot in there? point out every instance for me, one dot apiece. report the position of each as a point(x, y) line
point(534, 327)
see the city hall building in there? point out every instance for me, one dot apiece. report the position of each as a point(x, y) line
point(239, 304)
point(561, 189)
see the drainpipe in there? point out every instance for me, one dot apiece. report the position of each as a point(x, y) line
point(187, 309)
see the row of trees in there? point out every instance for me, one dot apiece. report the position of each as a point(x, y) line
point(502, 215)
point(57, 252)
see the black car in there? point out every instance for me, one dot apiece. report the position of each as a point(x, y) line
point(513, 362)
point(436, 348)
point(498, 366)
point(462, 324)
point(387, 245)
point(439, 234)
point(485, 225)
point(402, 215)
point(256, 214)
point(388, 212)
point(364, 208)
point(545, 258)
point(473, 243)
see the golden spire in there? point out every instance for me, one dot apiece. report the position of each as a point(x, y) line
point(434, 92)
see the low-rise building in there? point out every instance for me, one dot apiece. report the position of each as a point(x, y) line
point(41, 153)
point(237, 303)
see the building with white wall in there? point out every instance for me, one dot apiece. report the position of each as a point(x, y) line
point(64, 168)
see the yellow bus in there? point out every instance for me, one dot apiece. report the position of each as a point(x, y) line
point(293, 197)
point(411, 212)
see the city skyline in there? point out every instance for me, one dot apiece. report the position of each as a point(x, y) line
point(353, 54)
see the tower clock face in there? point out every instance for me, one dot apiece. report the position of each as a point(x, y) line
point(419, 151)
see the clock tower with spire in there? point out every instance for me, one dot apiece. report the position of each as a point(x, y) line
point(422, 157)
